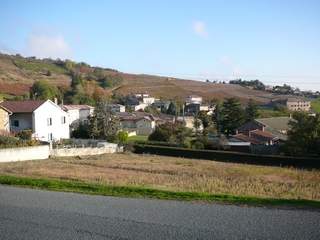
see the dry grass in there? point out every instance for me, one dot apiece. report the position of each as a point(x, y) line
point(176, 174)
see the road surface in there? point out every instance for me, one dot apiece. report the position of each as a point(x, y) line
point(35, 214)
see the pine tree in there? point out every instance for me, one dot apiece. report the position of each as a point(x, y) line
point(232, 116)
point(251, 111)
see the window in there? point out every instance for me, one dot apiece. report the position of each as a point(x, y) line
point(63, 119)
point(16, 123)
point(49, 121)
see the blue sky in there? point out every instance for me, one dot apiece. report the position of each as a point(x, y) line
point(275, 41)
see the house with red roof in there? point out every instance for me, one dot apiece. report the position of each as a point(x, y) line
point(47, 121)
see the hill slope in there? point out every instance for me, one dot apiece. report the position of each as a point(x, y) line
point(17, 75)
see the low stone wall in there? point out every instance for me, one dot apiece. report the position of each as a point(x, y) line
point(85, 151)
point(24, 153)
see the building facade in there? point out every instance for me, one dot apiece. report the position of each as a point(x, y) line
point(47, 121)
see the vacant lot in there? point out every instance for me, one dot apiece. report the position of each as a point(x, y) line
point(175, 174)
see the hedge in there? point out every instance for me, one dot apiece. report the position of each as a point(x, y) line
point(234, 157)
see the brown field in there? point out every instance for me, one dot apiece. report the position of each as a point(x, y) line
point(176, 174)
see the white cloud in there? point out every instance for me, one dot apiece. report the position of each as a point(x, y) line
point(200, 29)
point(48, 46)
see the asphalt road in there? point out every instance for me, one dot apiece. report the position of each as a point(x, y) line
point(35, 214)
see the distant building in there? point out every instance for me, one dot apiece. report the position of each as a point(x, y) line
point(192, 108)
point(161, 105)
point(293, 104)
point(195, 108)
point(194, 99)
point(258, 137)
point(142, 123)
point(297, 104)
point(47, 121)
point(78, 114)
point(139, 107)
point(116, 108)
point(139, 123)
point(145, 98)
point(277, 126)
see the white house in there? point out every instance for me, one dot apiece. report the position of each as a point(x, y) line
point(194, 99)
point(46, 119)
point(78, 114)
point(140, 106)
point(145, 98)
point(139, 122)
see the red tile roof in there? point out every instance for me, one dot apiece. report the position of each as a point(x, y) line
point(264, 134)
point(27, 106)
point(246, 138)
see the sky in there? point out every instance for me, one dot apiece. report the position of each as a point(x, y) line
point(275, 41)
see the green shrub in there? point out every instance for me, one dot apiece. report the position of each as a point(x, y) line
point(13, 142)
point(24, 134)
point(122, 137)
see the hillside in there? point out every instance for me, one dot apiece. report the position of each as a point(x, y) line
point(17, 74)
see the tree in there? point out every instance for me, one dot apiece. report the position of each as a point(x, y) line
point(103, 124)
point(76, 79)
point(217, 117)
point(196, 124)
point(171, 109)
point(43, 90)
point(171, 132)
point(122, 137)
point(162, 133)
point(304, 135)
point(205, 119)
point(251, 111)
point(232, 116)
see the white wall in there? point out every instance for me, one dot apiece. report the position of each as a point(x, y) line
point(58, 129)
point(24, 153)
point(85, 151)
point(74, 116)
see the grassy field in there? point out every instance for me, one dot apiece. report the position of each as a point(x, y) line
point(315, 105)
point(174, 175)
point(137, 138)
point(268, 113)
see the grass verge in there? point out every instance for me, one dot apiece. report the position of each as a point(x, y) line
point(140, 192)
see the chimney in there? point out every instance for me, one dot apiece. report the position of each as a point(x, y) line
point(56, 100)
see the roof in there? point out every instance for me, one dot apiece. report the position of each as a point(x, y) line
point(7, 110)
point(276, 123)
point(27, 106)
point(264, 134)
point(297, 100)
point(76, 107)
point(246, 138)
point(136, 116)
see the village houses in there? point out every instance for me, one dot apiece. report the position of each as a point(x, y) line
point(78, 114)
point(47, 121)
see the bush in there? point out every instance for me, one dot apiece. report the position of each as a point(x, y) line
point(12, 142)
point(226, 156)
point(122, 137)
point(81, 132)
point(24, 134)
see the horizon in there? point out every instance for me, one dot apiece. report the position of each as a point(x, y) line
point(270, 41)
